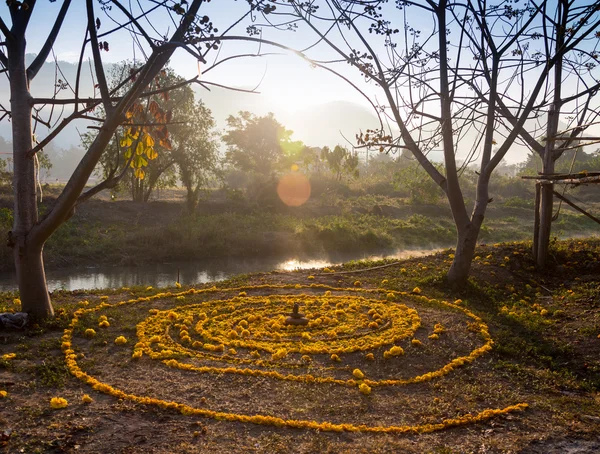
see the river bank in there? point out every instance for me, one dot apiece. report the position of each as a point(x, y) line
point(124, 233)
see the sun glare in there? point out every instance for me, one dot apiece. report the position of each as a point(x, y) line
point(294, 189)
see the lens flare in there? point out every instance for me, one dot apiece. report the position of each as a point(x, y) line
point(293, 189)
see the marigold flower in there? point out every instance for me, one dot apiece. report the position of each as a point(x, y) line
point(9, 356)
point(104, 324)
point(177, 285)
point(416, 290)
point(58, 402)
point(311, 277)
point(279, 354)
point(90, 332)
point(335, 357)
point(416, 342)
point(357, 283)
point(365, 389)
point(395, 351)
point(370, 356)
point(3, 394)
point(86, 399)
point(121, 340)
point(357, 373)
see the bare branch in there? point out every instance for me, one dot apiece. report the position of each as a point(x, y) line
point(97, 58)
point(135, 22)
point(39, 60)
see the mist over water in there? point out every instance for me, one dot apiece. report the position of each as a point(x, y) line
point(190, 273)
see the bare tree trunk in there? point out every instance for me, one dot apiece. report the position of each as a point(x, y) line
point(467, 234)
point(29, 263)
point(546, 194)
point(546, 208)
point(31, 279)
point(463, 256)
point(192, 198)
point(137, 189)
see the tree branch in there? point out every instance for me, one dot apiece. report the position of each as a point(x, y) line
point(38, 62)
point(134, 21)
point(108, 107)
point(4, 29)
point(68, 198)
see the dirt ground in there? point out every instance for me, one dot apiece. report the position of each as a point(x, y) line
point(545, 329)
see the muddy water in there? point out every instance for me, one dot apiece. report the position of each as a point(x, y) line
point(197, 272)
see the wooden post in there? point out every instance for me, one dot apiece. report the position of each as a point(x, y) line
point(536, 222)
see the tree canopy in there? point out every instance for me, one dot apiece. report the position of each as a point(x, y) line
point(259, 144)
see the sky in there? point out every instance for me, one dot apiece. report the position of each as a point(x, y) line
point(287, 84)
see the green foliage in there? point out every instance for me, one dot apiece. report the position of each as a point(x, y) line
point(421, 187)
point(341, 161)
point(195, 152)
point(258, 144)
point(571, 161)
point(178, 140)
point(518, 202)
point(6, 218)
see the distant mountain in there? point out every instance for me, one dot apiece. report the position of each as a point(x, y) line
point(318, 126)
point(330, 124)
point(43, 86)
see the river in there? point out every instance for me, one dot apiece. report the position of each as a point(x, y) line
point(190, 273)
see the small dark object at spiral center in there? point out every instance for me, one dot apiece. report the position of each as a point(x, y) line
point(296, 318)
